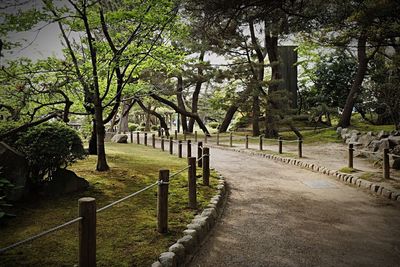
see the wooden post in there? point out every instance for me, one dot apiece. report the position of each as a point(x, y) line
point(206, 166)
point(230, 140)
point(138, 138)
point(261, 142)
point(145, 139)
point(195, 136)
point(247, 141)
point(162, 131)
point(87, 232)
point(386, 165)
point(153, 140)
point(300, 147)
point(180, 148)
point(200, 153)
point(171, 145)
point(159, 132)
point(192, 183)
point(217, 138)
point(162, 143)
point(176, 134)
point(350, 165)
point(162, 202)
point(280, 145)
point(131, 137)
point(189, 148)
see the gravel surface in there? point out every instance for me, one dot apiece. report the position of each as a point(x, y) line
point(282, 215)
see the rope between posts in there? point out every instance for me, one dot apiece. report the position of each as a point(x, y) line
point(290, 141)
point(202, 157)
point(125, 198)
point(180, 171)
point(366, 151)
point(51, 230)
point(394, 155)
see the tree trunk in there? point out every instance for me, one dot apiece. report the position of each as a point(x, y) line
point(101, 152)
point(195, 98)
point(181, 111)
point(163, 123)
point(181, 103)
point(271, 130)
point(256, 112)
point(358, 79)
point(124, 117)
point(147, 126)
point(93, 140)
point(228, 118)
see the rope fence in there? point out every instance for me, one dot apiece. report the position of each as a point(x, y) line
point(88, 211)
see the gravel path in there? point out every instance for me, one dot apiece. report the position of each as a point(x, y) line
point(282, 215)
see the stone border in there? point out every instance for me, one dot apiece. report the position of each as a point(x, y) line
point(182, 252)
point(343, 177)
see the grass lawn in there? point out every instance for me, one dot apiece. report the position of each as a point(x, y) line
point(126, 233)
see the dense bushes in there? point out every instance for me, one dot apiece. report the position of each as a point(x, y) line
point(213, 124)
point(48, 147)
point(133, 127)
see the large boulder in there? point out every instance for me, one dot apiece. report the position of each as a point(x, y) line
point(374, 145)
point(14, 168)
point(396, 164)
point(120, 138)
point(108, 136)
point(64, 182)
point(339, 130)
point(383, 134)
point(344, 132)
point(384, 143)
point(366, 139)
point(394, 140)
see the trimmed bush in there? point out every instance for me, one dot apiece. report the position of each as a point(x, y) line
point(213, 124)
point(154, 128)
point(133, 127)
point(48, 147)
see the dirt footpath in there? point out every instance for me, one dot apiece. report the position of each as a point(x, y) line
point(282, 215)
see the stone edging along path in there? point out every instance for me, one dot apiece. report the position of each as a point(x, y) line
point(344, 177)
point(182, 252)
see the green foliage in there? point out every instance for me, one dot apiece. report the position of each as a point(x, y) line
point(133, 127)
point(213, 124)
point(154, 127)
point(332, 80)
point(48, 147)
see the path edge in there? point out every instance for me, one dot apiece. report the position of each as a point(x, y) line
point(182, 251)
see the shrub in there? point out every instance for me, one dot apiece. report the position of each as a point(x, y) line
point(141, 128)
point(213, 124)
point(154, 128)
point(48, 147)
point(133, 127)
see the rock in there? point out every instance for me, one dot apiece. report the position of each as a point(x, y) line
point(108, 136)
point(167, 259)
point(179, 251)
point(353, 138)
point(394, 140)
point(188, 242)
point(63, 182)
point(339, 130)
point(386, 193)
point(374, 145)
point(383, 134)
point(396, 164)
point(355, 132)
point(366, 139)
point(374, 188)
point(120, 138)
point(156, 264)
point(14, 168)
point(384, 144)
point(396, 150)
point(344, 132)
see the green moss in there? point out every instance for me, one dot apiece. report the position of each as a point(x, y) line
point(126, 233)
point(347, 170)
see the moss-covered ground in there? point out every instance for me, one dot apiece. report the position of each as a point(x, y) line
point(126, 233)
